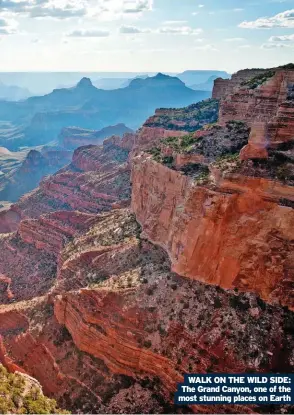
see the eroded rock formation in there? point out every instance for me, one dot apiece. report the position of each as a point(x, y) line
point(108, 314)
point(235, 234)
point(26, 176)
point(265, 102)
point(95, 181)
point(118, 329)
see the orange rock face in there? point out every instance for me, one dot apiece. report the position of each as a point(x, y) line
point(108, 314)
point(224, 87)
point(227, 236)
point(51, 232)
point(137, 328)
point(268, 109)
point(149, 136)
point(257, 144)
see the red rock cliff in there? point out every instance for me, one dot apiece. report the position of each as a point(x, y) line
point(128, 338)
point(226, 236)
point(89, 303)
point(267, 108)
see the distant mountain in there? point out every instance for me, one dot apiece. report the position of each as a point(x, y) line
point(200, 76)
point(205, 86)
point(86, 106)
point(110, 83)
point(13, 93)
point(40, 83)
point(73, 137)
point(23, 172)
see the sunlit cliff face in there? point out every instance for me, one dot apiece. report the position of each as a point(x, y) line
point(155, 255)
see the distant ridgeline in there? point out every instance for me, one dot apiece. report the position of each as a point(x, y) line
point(38, 120)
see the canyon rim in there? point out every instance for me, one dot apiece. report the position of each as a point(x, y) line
point(166, 251)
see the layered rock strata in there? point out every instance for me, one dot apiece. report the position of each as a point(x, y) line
point(108, 314)
point(97, 180)
point(267, 108)
point(235, 234)
point(118, 329)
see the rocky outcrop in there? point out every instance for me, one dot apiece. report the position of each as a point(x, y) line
point(51, 232)
point(175, 123)
point(224, 87)
point(228, 235)
point(264, 102)
point(102, 159)
point(188, 119)
point(117, 322)
point(149, 136)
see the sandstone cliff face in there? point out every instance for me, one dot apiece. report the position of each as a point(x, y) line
point(224, 87)
point(268, 109)
point(108, 314)
point(229, 235)
point(228, 227)
point(118, 329)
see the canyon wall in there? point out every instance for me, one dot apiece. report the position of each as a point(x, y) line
point(267, 108)
point(235, 234)
point(108, 306)
point(95, 181)
point(235, 229)
point(117, 329)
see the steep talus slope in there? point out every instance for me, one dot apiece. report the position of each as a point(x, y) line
point(108, 314)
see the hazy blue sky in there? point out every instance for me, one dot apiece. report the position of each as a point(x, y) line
point(145, 35)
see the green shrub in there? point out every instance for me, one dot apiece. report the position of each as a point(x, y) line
point(168, 161)
point(258, 80)
point(187, 141)
point(19, 396)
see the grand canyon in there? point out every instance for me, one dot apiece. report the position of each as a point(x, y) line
point(164, 250)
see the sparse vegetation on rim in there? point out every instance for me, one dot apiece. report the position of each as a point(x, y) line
point(258, 80)
point(191, 118)
point(20, 394)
